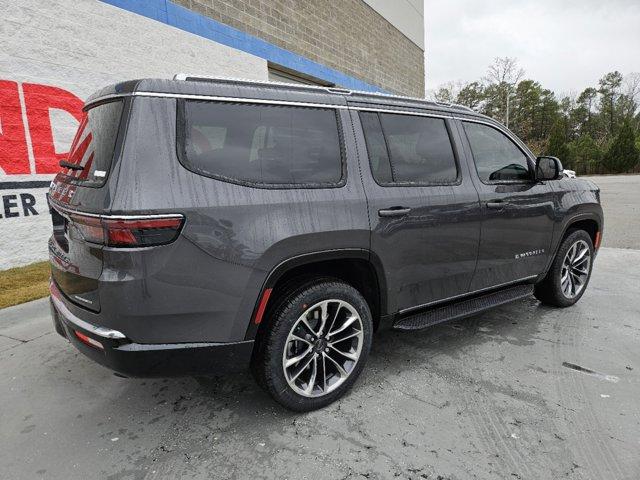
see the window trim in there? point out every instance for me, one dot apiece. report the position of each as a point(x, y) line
point(508, 136)
point(182, 156)
point(454, 150)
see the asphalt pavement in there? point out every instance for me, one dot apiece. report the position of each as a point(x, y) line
point(520, 392)
point(620, 197)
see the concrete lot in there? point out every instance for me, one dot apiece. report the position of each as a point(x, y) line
point(620, 196)
point(489, 397)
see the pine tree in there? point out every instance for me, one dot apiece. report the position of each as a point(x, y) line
point(557, 146)
point(623, 153)
point(586, 154)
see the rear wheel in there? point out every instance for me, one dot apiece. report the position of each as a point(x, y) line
point(315, 344)
point(570, 272)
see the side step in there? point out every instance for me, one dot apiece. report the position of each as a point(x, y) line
point(462, 308)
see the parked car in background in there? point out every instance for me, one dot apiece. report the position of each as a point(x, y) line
point(206, 225)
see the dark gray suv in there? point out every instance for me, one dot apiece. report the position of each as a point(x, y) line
point(207, 225)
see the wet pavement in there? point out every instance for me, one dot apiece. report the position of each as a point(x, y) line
point(520, 392)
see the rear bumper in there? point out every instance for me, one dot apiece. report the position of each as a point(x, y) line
point(147, 360)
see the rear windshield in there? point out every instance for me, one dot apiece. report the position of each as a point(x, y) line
point(265, 145)
point(93, 147)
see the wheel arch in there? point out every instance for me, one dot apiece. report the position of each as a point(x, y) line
point(360, 268)
point(590, 222)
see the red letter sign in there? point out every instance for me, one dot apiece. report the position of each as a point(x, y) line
point(38, 100)
point(14, 158)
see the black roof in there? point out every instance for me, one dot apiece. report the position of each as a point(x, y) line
point(263, 90)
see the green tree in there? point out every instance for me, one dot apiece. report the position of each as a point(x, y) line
point(471, 95)
point(526, 104)
point(584, 113)
point(623, 154)
point(557, 146)
point(445, 93)
point(609, 91)
point(585, 154)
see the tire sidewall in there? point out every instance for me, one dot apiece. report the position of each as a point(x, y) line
point(284, 319)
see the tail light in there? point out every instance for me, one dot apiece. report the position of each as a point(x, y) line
point(144, 231)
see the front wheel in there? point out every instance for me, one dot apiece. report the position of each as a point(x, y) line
point(570, 272)
point(315, 345)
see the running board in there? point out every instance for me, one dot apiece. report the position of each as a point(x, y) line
point(462, 308)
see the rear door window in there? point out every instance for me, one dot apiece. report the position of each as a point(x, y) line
point(93, 146)
point(496, 157)
point(409, 149)
point(264, 145)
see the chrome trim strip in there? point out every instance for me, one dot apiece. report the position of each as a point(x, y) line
point(71, 318)
point(443, 115)
point(193, 96)
point(493, 287)
point(68, 211)
point(137, 347)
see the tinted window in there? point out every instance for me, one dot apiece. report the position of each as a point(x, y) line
point(496, 156)
point(93, 146)
point(409, 149)
point(261, 144)
point(376, 147)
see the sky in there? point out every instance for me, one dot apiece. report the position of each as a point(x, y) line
point(566, 45)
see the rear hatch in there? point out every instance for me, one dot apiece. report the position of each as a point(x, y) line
point(80, 193)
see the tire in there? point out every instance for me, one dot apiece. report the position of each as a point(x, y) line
point(295, 342)
point(564, 286)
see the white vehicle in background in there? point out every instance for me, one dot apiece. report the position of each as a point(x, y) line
point(569, 173)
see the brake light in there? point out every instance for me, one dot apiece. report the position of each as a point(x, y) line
point(128, 232)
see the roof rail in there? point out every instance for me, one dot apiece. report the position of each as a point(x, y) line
point(414, 99)
point(301, 86)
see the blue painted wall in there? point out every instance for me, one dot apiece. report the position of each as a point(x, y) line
point(171, 14)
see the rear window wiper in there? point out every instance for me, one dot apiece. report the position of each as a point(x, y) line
point(72, 166)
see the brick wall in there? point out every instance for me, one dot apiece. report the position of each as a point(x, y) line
point(346, 35)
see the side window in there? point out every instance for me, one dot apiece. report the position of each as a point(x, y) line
point(376, 146)
point(496, 157)
point(260, 144)
point(409, 149)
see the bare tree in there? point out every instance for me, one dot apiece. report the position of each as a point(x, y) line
point(504, 70)
point(447, 92)
point(505, 73)
point(632, 86)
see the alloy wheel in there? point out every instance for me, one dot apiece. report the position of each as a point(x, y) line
point(323, 348)
point(575, 269)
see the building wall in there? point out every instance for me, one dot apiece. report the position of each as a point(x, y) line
point(406, 15)
point(348, 35)
point(57, 52)
point(54, 54)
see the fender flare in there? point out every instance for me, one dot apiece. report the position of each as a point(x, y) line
point(287, 265)
point(565, 228)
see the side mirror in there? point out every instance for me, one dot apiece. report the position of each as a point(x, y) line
point(548, 168)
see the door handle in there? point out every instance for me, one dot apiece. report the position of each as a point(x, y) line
point(394, 211)
point(497, 204)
